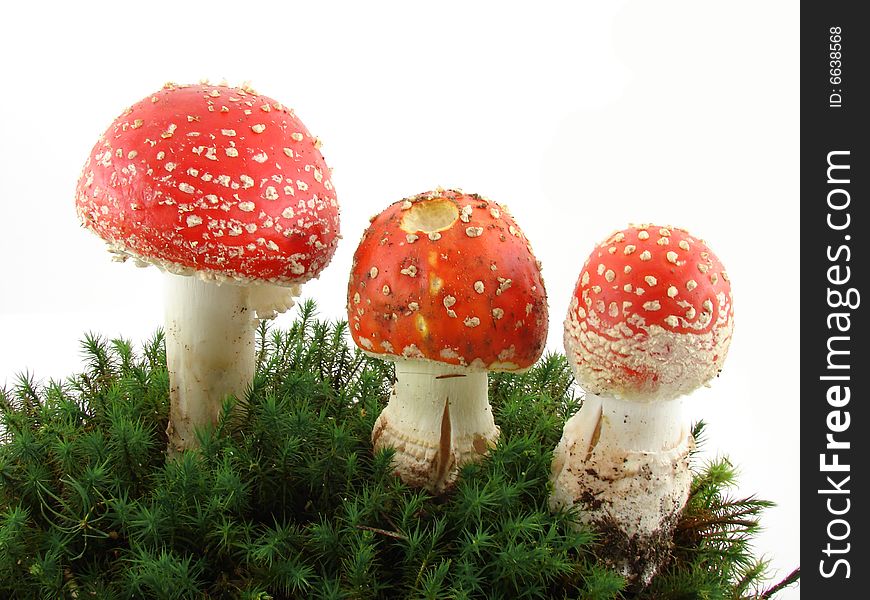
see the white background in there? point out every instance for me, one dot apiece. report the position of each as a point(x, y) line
point(581, 117)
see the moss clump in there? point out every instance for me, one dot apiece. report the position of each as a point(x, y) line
point(285, 499)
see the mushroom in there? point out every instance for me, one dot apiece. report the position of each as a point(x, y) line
point(226, 191)
point(445, 284)
point(650, 321)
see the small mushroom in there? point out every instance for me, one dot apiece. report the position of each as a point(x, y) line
point(446, 285)
point(226, 191)
point(650, 321)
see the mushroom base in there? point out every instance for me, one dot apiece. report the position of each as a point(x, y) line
point(437, 419)
point(625, 466)
point(210, 329)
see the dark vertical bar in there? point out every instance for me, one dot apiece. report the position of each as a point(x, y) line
point(835, 234)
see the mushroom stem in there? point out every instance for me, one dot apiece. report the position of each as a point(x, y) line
point(209, 352)
point(625, 464)
point(437, 419)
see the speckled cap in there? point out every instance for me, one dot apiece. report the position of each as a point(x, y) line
point(449, 277)
point(651, 317)
point(213, 180)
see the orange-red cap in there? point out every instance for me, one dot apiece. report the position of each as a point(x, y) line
point(449, 277)
point(216, 180)
point(651, 316)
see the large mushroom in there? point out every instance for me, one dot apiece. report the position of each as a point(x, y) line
point(446, 285)
point(650, 321)
point(226, 191)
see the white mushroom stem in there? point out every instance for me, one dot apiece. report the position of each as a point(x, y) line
point(210, 349)
point(437, 419)
point(625, 464)
point(626, 424)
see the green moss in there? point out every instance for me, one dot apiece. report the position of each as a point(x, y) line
point(285, 498)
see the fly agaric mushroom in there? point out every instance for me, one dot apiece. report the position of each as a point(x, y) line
point(650, 320)
point(446, 285)
point(226, 191)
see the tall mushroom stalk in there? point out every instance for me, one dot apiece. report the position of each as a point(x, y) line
point(446, 285)
point(650, 321)
point(225, 190)
point(210, 329)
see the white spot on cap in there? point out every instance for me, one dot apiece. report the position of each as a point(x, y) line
point(228, 132)
point(645, 255)
point(193, 220)
point(473, 231)
point(186, 188)
point(691, 284)
point(449, 301)
point(650, 280)
point(672, 320)
point(672, 257)
point(472, 321)
point(412, 237)
point(261, 157)
point(386, 290)
point(497, 313)
point(652, 305)
point(672, 292)
point(478, 287)
point(373, 272)
point(246, 206)
point(270, 193)
point(584, 279)
point(288, 152)
point(231, 152)
point(258, 128)
point(297, 136)
point(643, 235)
point(434, 236)
point(629, 249)
point(684, 245)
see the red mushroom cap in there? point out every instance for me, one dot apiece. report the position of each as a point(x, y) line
point(213, 179)
point(651, 317)
point(448, 277)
